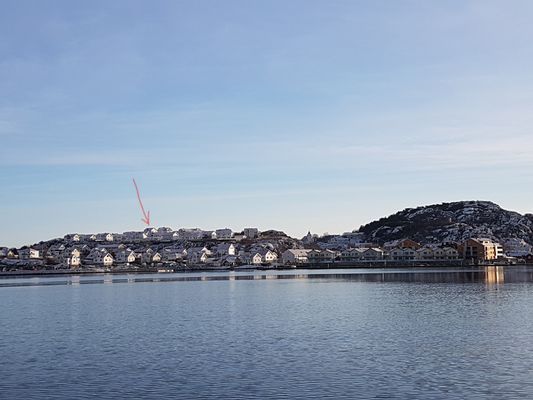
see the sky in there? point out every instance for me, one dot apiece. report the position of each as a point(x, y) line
point(292, 115)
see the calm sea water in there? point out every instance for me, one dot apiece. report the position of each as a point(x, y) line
point(431, 334)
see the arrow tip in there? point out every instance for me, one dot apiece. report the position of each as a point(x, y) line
point(146, 220)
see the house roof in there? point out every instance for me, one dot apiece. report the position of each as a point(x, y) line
point(299, 252)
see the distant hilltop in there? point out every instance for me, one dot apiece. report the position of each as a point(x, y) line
point(451, 223)
point(459, 233)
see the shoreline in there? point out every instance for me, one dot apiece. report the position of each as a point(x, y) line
point(50, 273)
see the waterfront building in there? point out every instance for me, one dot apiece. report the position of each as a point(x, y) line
point(256, 259)
point(433, 253)
point(373, 254)
point(353, 254)
point(321, 256)
point(426, 253)
point(450, 253)
point(268, 256)
point(439, 253)
point(480, 249)
point(295, 256)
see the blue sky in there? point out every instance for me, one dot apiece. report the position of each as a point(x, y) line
point(293, 115)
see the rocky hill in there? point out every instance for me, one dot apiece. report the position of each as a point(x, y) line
point(451, 222)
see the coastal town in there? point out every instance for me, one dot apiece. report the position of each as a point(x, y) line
point(166, 250)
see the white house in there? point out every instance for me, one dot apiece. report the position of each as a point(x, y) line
point(295, 256)
point(396, 254)
point(261, 256)
point(424, 254)
point(373, 254)
point(12, 253)
point(256, 259)
point(451, 253)
point(353, 254)
point(71, 258)
point(439, 253)
point(3, 252)
point(268, 256)
point(107, 259)
point(405, 254)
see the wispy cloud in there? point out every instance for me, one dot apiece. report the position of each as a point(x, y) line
point(475, 152)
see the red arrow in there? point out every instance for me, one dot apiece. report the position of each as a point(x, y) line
point(146, 215)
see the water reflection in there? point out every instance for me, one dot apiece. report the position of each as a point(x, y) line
point(491, 275)
point(494, 275)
